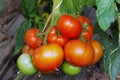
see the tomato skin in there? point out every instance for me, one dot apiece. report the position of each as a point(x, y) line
point(31, 38)
point(70, 69)
point(69, 26)
point(25, 65)
point(98, 50)
point(48, 57)
point(53, 37)
point(79, 53)
point(88, 29)
point(27, 49)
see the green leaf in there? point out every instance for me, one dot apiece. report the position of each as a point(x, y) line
point(111, 57)
point(0, 5)
point(118, 1)
point(20, 36)
point(105, 13)
point(72, 6)
point(55, 12)
point(115, 63)
point(28, 8)
point(90, 2)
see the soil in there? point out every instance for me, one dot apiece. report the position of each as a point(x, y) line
point(10, 20)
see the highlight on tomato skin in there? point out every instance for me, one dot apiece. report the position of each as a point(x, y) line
point(69, 26)
point(48, 57)
point(79, 53)
point(98, 48)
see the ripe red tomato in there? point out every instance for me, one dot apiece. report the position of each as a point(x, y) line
point(79, 53)
point(98, 50)
point(31, 38)
point(48, 57)
point(88, 29)
point(53, 37)
point(69, 26)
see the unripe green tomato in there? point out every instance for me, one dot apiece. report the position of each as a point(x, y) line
point(70, 69)
point(25, 65)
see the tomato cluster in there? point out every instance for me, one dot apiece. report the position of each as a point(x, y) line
point(69, 46)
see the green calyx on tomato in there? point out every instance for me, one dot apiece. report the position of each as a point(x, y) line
point(69, 26)
point(25, 65)
point(70, 69)
point(31, 38)
point(53, 37)
point(88, 29)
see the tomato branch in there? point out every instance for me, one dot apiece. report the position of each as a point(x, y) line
point(47, 32)
point(19, 76)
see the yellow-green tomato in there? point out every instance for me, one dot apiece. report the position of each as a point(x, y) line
point(70, 69)
point(25, 65)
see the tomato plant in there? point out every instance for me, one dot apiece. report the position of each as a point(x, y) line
point(48, 57)
point(67, 15)
point(70, 69)
point(69, 26)
point(25, 65)
point(88, 29)
point(79, 53)
point(53, 37)
point(98, 50)
point(31, 38)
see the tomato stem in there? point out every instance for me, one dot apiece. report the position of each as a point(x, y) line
point(19, 76)
point(47, 32)
point(51, 15)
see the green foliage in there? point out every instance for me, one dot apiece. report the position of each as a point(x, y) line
point(20, 36)
point(111, 56)
point(28, 8)
point(72, 6)
point(118, 1)
point(90, 2)
point(0, 5)
point(105, 13)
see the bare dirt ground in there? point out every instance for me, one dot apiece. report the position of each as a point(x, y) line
point(10, 20)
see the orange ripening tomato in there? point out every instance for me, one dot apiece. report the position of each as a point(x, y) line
point(98, 50)
point(48, 57)
point(88, 29)
point(79, 53)
point(31, 38)
point(69, 26)
point(27, 49)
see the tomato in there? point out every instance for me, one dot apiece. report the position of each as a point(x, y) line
point(69, 26)
point(79, 53)
point(70, 69)
point(31, 38)
point(27, 49)
point(53, 37)
point(88, 29)
point(25, 65)
point(98, 50)
point(48, 57)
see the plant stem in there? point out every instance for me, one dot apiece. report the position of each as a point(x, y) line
point(119, 28)
point(19, 76)
point(47, 32)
